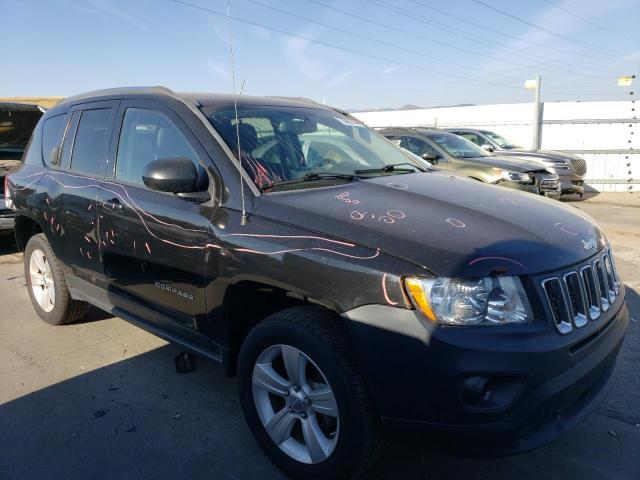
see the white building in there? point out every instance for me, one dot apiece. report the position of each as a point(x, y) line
point(605, 134)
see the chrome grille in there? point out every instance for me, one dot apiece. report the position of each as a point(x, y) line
point(582, 294)
point(579, 166)
point(549, 183)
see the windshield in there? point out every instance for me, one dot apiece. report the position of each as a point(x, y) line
point(457, 146)
point(501, 141)
point(16, 126)
point(281, 144)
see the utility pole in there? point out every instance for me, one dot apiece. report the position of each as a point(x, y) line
point(537, 112)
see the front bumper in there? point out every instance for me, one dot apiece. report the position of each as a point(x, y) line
point(7, 220)
point(542, 383)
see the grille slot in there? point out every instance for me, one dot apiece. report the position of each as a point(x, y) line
point(603, 286)
point(577, 299)
point(558, 304)
point(582, 294)
point(591, 289)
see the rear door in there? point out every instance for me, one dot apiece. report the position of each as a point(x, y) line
point(74, 184)
point(154, 243)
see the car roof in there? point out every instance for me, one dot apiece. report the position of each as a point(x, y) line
point(193, 99)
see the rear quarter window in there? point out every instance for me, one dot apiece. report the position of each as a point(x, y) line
point(52, 132)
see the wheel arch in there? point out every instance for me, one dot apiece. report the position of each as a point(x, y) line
point(25, 228)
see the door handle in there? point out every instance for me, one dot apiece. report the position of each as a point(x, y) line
point(114, 204)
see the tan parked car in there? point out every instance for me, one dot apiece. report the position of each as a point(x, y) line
point(451, 152)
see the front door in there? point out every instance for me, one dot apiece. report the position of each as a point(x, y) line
point(154, 243)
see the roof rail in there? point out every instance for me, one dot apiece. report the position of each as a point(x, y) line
point(118, 91)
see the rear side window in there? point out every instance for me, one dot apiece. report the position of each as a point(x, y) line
point(52, 131)
point(91, 145)
point(147, 135)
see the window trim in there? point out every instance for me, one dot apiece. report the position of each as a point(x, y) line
point(215, 186)
point(81, 108)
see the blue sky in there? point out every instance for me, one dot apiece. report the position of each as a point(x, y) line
point(424, 52)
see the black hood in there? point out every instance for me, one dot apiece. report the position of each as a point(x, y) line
point(448, 225)
point(17, 122)
point(514, 164)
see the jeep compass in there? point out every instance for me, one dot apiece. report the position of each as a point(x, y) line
point(351, 292)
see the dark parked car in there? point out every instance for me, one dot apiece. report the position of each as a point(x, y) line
point(570, 168)
point(17, 121)
point(452, 153)
point(352, 295)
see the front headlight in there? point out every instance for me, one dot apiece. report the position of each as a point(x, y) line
point(456, 301)
point(516, 177)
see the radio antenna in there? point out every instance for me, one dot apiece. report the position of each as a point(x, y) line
point(244, 219)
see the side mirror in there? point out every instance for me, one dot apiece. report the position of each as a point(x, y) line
point(487, 147)
point(175, 175)
point(430, 157)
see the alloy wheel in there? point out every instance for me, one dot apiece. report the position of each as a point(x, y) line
point(42, 284)
point(296, 404)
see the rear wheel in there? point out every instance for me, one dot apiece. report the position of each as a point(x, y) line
point(47, 286)
point(304, 398)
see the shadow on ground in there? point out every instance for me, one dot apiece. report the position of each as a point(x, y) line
point(137, 418)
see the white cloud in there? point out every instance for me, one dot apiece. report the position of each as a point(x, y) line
point(390, 69)
point(302, 53)
point(334, 82)
point(107, 8)
point(220, 70)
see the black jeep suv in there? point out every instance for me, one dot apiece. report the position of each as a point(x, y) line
point(352, 294)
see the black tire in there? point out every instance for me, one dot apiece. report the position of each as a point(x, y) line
point(321, 336)
point(65, 309)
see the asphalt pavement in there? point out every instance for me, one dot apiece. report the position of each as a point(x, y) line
point(101, 399)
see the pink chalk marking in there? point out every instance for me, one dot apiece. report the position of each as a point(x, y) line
point(562, 227)
point(146, 245)
point(356, 215)
point(399, 214)
point(112, 242)
point(45, 216)
point(384, 291)
point(506, 200)
point(481, 259)
point(455, 223)
point(90, 207)
point(277, 252)
point(87, 239)
point(89, 256)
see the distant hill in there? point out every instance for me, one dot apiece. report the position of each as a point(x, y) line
point(46, 102)
point(410, 107)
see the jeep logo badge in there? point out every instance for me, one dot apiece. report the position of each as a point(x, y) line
point(589, 244)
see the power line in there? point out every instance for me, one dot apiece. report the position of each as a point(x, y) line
point(475, 38)
point(543, 29)
point(338, 47)
point(374, 40)
point(498, 32)
point(438, 42)
point(590, 22)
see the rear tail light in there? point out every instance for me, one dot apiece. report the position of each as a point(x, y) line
point(7, 194)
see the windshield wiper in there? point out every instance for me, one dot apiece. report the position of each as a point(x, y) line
point(310, 177)
point(390, 168)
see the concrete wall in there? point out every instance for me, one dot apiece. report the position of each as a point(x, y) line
point(604, 133)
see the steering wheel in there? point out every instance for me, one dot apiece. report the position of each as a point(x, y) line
point(325, 164)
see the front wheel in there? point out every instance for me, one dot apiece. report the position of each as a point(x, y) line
point(303, 397)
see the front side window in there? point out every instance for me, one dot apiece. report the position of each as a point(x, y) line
point(472, 137)
point(282, 144)
point(500, 140)
point(91, 145)
point(148, 135)
point(456, 146)
point(52, 131)
point(419, 147)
